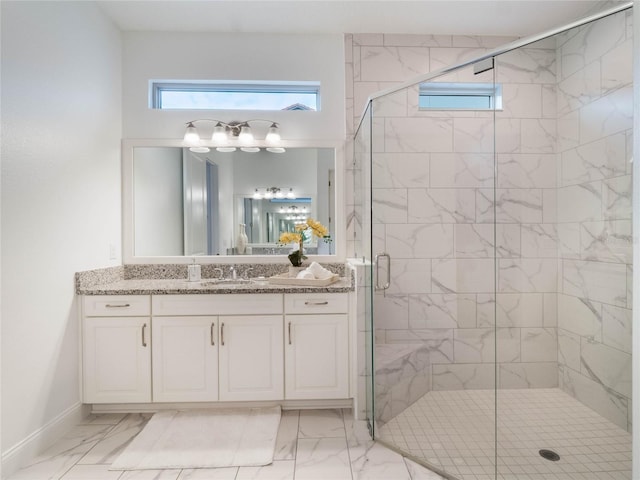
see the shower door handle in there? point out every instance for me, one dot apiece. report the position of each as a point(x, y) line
point(387, 284)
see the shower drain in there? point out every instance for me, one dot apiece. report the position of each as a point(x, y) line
point(549, 455)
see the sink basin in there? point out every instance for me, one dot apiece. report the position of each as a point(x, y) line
point(226, 281)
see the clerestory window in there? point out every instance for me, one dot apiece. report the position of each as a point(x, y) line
point(460, 96)
point(235, 95)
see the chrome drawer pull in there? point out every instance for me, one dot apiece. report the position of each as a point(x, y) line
point(326, 302)
point(124, 305)
point(144, 327)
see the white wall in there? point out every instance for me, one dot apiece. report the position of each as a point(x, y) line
point(169, 56)
point(216, 56)
point(61, 130)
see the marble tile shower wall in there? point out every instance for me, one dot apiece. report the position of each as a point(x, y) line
point(563, 212)
point(433, 212)
point(375, 62)
point(595, 114)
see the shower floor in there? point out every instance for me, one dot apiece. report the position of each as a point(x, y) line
point(454, 431)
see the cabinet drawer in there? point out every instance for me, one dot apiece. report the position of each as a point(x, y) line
point(236, 304)
point(116, 305)
point(316, 303)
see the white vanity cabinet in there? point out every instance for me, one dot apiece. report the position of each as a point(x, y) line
point(251, 358)
point(316, 346)
point(185, 359)
point(116, 349)
point(217, 347)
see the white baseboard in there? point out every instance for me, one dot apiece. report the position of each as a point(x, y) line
point(156, 407)
point(25, 451)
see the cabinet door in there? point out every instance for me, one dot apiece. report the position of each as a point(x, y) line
point(117, 360)
point(250, 353)
point(185, 359)
point(316, 356)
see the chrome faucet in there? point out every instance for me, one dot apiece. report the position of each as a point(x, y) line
point(234, 274)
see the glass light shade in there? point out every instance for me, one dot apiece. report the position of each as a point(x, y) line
point(275, 149)
point(273, 135)
point(257, 195)
point(199, 149)
point(226, 149)
point(290, 194)
point(245, 136)
point(219, 135)
point(191, 136)
point(279, 194)
point(268, 194)
point(250, 149)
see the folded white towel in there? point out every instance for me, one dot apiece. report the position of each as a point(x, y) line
point(319, 271)
point(305, 275)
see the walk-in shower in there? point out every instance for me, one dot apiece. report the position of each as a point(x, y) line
point(496, 214)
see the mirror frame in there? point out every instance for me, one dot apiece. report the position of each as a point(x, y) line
point(128, 218)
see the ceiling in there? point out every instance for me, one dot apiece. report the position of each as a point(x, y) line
point(468, 17)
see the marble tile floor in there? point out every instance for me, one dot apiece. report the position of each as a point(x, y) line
point(454, 431)
point(311, 445)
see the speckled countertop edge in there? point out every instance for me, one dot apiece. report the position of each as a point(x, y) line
point(169, 279)
point(174, 287)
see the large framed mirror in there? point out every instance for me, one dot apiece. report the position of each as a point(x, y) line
point(179, 204)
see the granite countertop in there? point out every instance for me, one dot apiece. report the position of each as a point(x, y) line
point(168, 279)
point(182, 286)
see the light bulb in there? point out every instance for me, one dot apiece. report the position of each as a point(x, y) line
point(219, 135)
point(273, 135)
point(245, 137)
point(268, 194)
point(290, 194)
point(191, 136)
point(279, 194)
point(257, 195)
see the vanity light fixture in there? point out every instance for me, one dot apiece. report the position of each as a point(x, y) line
point(227, 137)
point(274, 192)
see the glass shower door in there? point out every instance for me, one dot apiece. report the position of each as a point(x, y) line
point(433, 231)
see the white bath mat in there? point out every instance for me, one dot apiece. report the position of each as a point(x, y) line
point(203, 438)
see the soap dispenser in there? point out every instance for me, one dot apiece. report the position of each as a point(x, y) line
point(193, 272)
